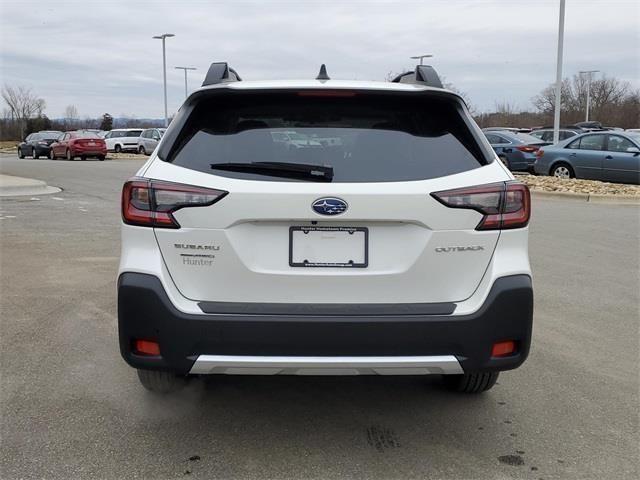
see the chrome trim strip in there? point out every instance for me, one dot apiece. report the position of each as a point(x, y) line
point(285, 365)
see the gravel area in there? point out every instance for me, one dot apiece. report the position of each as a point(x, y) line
point(573, 185)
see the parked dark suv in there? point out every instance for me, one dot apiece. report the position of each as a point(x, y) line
point(38, 144)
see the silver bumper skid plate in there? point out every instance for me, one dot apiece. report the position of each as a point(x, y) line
point(286, 365)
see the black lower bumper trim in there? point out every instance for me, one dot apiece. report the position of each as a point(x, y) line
point(145, 312)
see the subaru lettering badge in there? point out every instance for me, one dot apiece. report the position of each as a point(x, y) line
point(329, 206)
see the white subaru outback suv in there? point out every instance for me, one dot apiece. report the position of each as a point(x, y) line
point(400, 249)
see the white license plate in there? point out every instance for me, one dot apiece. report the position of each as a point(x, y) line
point(329, 247)
point(91, 144)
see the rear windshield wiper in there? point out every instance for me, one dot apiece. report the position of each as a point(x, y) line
point(318, 173)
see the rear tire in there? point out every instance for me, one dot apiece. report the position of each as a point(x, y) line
point(84, 159)
point(142, 150)
point(471, 382)
point(34, 154)
point(20, 154)
point(101, 158)
point(562, 170)
point(505, 161)
point(161, 382)
point(117, 149)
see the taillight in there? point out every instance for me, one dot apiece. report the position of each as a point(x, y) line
point(504, 205)
point(528, 148)
point(539, 153)
point(151, 203)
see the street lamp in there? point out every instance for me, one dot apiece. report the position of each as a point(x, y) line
point(556, 115)
point(164, 73)
point(590, 74)
point(421, 57)
point(186, 94)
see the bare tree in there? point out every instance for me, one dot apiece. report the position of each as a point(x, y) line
point(607, 95)
point(71, 116)
point(23, 104)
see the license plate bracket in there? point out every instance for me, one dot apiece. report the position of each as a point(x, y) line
point(328, 247)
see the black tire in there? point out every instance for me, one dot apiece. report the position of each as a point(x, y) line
point(117, 149)
point(34, 154)
point(471, 382)
point(84, 159)
point(52, 156)
point(101, 158)
point(505, 161)
point(20, 153)
point(68, 155)
point(142, 150)
point(562, 170)
point(161, 382)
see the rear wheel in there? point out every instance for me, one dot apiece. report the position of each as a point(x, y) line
point(471, 382)
point(117, 149)
point(68, 155)
point(161, 382)
point(20, 154)
point(562, 170)
point(101, 158)
point(34, 154)
point(142, 150)
point(505, 161)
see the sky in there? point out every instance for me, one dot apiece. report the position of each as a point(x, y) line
point(100, 57)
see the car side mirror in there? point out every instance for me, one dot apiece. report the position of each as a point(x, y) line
point(634, 150)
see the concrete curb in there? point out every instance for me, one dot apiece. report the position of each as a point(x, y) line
point(17, 186)
point(589, 197)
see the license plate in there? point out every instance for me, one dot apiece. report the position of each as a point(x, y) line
point(345, 247)
point(91, 144)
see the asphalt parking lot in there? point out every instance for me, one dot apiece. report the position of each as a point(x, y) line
point(71, 408)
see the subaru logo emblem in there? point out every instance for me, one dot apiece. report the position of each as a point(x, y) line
point(329, 206)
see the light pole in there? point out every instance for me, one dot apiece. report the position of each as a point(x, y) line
point(186, 90)
point(556, 115)
point(421, 57)
point(589, 73)
point(163, 37)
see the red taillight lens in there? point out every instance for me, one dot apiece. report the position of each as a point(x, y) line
point(504, 205)
point(528, 148)
point(150, 203)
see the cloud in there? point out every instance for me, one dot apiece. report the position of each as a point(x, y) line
point(100, 56)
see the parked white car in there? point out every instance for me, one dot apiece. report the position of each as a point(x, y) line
point(123, 139)
point(400, 249)
point(149, 140)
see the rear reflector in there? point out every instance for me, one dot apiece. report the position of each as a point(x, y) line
point(146, 347)
point(503, 349)
point(150, 203)
point(504, 205)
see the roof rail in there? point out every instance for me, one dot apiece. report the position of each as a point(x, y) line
point(423, 74)
point(220, 72)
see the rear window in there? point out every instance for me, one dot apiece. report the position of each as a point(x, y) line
point(364, 138)
point(85, 135)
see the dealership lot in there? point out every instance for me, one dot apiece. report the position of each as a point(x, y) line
point(72, 408)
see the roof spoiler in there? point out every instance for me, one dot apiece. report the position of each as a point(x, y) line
point(422, 75)
point(220, 72)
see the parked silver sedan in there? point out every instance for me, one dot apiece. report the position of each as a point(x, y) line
point(606, 156)
point(149, 140)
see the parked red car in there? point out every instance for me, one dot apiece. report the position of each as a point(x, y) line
point(78, 144)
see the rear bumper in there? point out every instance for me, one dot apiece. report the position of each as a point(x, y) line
point(88, 151)
point(309, 342)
